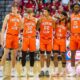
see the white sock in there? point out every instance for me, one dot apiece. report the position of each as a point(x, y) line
point(56, 69)
point(42, 69)
point(13, 69)
point(73, 68)
point(31, 69)
point(47, 69)
point(24, 68)
point(1, 67)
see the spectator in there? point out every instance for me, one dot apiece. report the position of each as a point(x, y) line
point(66, 4)
point(65, 7)
point(29, 4)
point(52, 11)
point(57, 4)
point(52, 8)
point(40, 6)
point(77, 1)
point(60, 9)
point(47, 5)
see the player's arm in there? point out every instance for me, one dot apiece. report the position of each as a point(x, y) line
point(69, 24)
point(54, 24)
point(20, 24)
point(38, 25)
point(4, 28)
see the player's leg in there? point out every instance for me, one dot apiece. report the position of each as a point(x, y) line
point(14, 51)
point(48, 52)
point(42, 57)
point(55, 61)
point(55, 54)
point(47, 73)
point(73, 58)
point(25, 44)
point(32, 46)
point(63, 70)
point(73, 47)
point(13, 59)
point(23, 61)
point(3, 60)
point(6, 51)
point(31, 57)
point(63, 55)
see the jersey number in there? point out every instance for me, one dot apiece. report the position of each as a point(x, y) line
point(29, 29)
point(46, 29)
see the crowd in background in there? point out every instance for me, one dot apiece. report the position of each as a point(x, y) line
point(54, 6)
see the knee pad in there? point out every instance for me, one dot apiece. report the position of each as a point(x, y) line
point(56, 51)
point(48, 52)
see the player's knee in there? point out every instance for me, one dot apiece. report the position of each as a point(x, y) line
point(73, 54)
point(48, 52)
point(42, 52)
point(63, 54)
point(73, 51)
point(55, 51)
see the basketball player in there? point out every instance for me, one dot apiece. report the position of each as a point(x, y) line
point(11, 26)
point(29, 40)
point(75, 35)
point(59, 44)
point(45, 25)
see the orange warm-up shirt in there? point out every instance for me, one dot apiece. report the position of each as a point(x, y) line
point(13, 25)
point(29, 27)
point(75, 23)
point(60, 31)
point(46, 28)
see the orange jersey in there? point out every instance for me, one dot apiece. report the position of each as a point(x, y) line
point(29, 27)
point(60, 31)
point(75, 23)
point(46, 28)
point(13, 25)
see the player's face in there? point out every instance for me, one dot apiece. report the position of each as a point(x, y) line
point(76, 8)
point(30, 13)
point(62, 17)
point(14, 10)
point(45, 12)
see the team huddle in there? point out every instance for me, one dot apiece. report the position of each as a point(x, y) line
point(56, 43)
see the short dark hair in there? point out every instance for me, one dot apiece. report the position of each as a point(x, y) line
point(64, 13)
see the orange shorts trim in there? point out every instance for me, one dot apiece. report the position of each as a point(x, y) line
point(29, 44)
point(45, 44)
point(59, 44)
point(12, 41)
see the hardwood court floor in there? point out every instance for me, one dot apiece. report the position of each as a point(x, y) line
point(7, 70)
